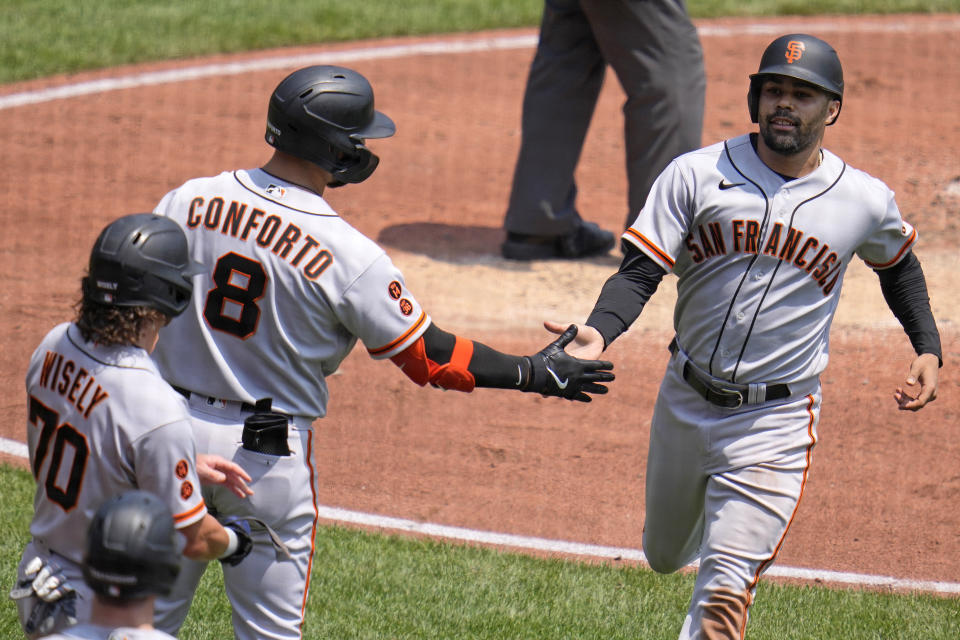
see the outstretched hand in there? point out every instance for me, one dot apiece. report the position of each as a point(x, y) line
point(213, 469)
point(554, 372)
point(925, 371)
point(588, 343)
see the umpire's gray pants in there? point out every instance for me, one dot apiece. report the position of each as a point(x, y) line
point(655, 52)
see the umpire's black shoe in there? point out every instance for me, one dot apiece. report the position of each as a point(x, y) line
point(585, 241)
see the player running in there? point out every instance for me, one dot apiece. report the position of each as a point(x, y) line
point(101, 420)
point(290, 287)
point(759, 230)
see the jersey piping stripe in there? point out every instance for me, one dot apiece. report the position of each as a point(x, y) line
point(657, 251)
point(896, 258)
point(282, 204)
point(313, 531)
point(80, 347)
point(803, 485)
point(773, 275)
point(186, 515)
point(401, 339)
point(763, 226)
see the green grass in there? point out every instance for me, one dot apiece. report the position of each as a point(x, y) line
point(45, 37)
point(368, 586)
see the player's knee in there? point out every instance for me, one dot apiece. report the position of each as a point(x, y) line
point(665, 558)
point(663, 564)
point(661, 561)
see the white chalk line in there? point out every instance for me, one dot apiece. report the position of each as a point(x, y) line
point(438, 47)
point(528, 543)
point(469, 45)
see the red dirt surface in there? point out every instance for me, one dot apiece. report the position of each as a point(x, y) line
point(884, 487)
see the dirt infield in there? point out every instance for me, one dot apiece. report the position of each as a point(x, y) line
point(885, 484)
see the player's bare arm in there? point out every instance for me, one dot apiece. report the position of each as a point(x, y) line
point(207, 540)
point(214, 469)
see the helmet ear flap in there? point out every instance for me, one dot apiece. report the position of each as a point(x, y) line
point(358, 166)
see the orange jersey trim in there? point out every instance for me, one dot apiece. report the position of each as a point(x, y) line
point(903, 250)
point(803, 487)
point(186, 515)
point(406, 336)
point(313, 529)
point(657, 251)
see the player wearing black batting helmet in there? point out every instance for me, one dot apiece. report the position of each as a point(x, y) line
point(324, 114)
point(132, 548)
point(100, 422)
point(736, 417)
point(292, 288)
point(141, 260)
point(803, 57)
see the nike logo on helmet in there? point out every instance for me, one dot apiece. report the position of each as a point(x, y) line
point(561, 384)
point(730, 185)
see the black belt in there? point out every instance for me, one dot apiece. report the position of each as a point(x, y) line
point(262, 405)
point(265, 431)
point(730, 395)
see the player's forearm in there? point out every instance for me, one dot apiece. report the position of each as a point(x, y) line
point(206, 539)
point(624, 295)
point(905, 291)
point(453, 362)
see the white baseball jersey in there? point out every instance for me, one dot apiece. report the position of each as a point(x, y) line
point(760, 261)
point(97, 632)
point(101, 421)
point(290, 288)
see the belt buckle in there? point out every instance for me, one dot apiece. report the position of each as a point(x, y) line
point(726, 393)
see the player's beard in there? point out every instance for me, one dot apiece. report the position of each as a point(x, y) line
point(804, 135)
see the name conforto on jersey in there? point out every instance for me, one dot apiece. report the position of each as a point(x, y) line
point(265, 231)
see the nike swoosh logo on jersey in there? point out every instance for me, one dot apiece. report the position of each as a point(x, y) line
point(730, 185)
point(561, 384)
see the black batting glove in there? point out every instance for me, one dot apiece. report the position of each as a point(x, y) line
point(554, 372)
point(244, 542)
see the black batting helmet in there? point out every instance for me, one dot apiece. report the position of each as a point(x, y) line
point(141, 260)
point(132, 548)
point(324, 114)
point(799, 56)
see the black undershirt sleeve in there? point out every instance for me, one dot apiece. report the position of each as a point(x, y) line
point(905, 290)
point(620, 302)
point(490, 368)
point(624, 294)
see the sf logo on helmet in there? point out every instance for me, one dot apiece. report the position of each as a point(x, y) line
point(795, 49)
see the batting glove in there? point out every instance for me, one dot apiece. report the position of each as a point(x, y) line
point(236, 552)
point(48, 600)
point(554, 372)
point(44, 580)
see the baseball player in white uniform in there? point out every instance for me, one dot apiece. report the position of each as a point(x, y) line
point(131, 555)
point(101, 420)
point(759, 230)
point(290, 287)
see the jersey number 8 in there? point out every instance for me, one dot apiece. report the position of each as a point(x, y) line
point(232, 305)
